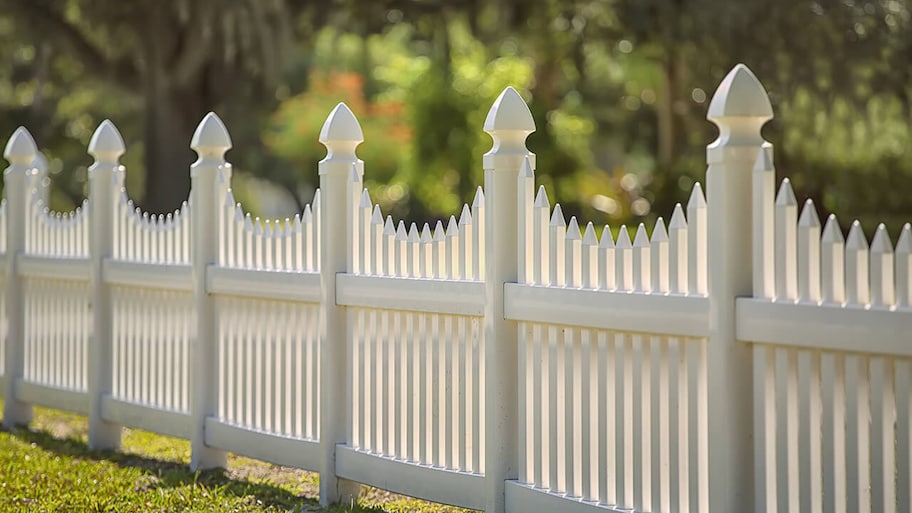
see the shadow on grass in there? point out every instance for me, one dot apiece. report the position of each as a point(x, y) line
point(170, 474)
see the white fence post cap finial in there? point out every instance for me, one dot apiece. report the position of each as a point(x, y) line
point(740, 95)
point(509, 122)
point(106, 143)
point(211, 137)
point(341, 134)
point(740, 107)
point(509, 112)
point(20, 149)
point(341, 125)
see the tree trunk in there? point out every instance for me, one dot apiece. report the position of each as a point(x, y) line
point(665, 114)
point(171, 119)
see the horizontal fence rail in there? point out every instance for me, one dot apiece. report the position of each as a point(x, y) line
point(738, 354)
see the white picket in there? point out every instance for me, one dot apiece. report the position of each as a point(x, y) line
point(856, 266)
point(808, 272)
point(832, 263)
point(678, 252)
point(786, 240)
point(882, 282)
point(696, 241)
point(624, 260)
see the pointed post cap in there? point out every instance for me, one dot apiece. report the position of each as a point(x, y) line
point(509, 122)
point(740, 107)
point(365, 200)
point(641, 240)
point(526, 171)
point(479, 200)
point(786, 196)
point(809, 217)
point(697, 199)
point(678, 221)
point(623, 240)
point(606, 242)
point(509, 112)
point(541, 199)
point(856, 240)
point(307, 216)
point(465, 217)
point(20, 149)
point(573, 231)
point(557, 217)
point(341, 134)
point(881, 243)
point(904, 244)
point(832, 234)
point(740, 95)
point(764, 160)
point(659, 233)
point(389, 228)
point(439, 230)
point(211, 138)
point(377, 216)
point(106, 144)
point(354, 176)
point(452, 229)
point(589, 237)
point(341, 125)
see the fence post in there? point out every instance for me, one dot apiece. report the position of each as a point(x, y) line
point(106, 146)
point(210, 141)
point(739, 107)
point(509, 122)
point(341, 134)
point(20, 152)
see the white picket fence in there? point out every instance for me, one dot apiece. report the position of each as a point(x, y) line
point(735, 358)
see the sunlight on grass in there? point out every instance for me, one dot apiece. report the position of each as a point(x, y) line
point(49, 467)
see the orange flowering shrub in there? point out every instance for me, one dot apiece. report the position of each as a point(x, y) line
point(295, 126)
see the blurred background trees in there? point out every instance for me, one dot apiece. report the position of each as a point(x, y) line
point(619, 90)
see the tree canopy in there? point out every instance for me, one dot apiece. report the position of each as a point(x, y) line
point(618, 89)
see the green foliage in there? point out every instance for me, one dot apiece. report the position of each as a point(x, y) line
point(446, 105)
point(860, 152)
point(618, 90)
point(423, 126)
point(295, 128)
point(47, 92)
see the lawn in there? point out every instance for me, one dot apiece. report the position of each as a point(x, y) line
point(49, 467)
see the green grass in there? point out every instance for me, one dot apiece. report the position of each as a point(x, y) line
point(49, 467)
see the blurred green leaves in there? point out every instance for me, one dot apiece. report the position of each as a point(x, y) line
point(618, 90)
